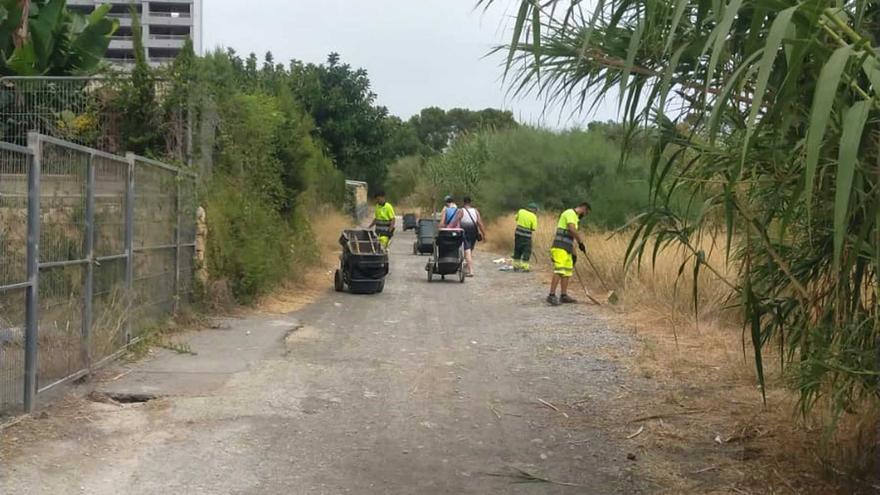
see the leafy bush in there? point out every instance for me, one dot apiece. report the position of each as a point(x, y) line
point(506, 170)
point(269, 173)
point(249, 245)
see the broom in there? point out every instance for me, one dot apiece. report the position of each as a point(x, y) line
point(612, 295)
point(580, 281)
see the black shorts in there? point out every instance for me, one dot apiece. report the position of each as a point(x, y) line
point(470, 238)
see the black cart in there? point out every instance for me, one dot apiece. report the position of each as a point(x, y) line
point(448, 256)
point(425, 232)
point(363, 264)
point(410, 222)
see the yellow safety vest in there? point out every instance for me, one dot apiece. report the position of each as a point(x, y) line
point(563, 239)
point(384, 219)
point(526, 223)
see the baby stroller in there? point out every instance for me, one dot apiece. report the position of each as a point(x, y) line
point(363, 264)
point(424, 243)
point(448, 257)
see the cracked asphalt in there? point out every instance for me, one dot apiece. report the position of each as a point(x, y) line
point(427, 388)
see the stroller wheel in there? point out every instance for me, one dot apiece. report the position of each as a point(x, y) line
point(337, 281)
point(430, 275)
point(461, 275)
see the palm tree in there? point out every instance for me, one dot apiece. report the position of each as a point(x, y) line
point(766, 114)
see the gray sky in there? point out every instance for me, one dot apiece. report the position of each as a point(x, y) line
point(418, 53)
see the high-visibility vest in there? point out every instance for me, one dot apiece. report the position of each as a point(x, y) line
point(526, 223)
point(563, 239)
point(384, 219)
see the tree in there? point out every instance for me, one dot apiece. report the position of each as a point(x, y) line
point(141, 119)
point(766, 112)
point(437, 128)
point(346, 116)
point(42, 37)
point(402, 138)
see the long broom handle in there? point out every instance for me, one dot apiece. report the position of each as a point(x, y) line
point(596, 271)
point(580, 280)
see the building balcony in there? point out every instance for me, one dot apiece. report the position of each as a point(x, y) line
point(166, 41)
point(162, 19)
point(121, 43)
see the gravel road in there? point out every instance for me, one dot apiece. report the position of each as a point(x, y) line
point(426, 388)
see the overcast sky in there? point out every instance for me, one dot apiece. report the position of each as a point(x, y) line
point(418, 53)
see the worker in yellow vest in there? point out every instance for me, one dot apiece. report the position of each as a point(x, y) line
point(526, 225)
point(384, 220)
point(563, 254)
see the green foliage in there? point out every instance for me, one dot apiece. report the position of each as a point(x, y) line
point(508, 169)
point(141, 118)
point(437, 128)
point(354, 129)
point(249, 245)
point(768, 114)
point(404, 176)
point(461, 170)
point(52, 40)
point(269, 172)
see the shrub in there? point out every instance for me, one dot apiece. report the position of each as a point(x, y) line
point(249, 243)
point(505, 170)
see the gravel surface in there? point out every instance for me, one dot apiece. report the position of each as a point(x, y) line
point(426, 388)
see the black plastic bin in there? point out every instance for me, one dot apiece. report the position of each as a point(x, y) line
point(425, 234)
point(410, 222)
point(448, 255)
point(363, 264)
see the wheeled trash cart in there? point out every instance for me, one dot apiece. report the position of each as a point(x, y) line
point(363, 264)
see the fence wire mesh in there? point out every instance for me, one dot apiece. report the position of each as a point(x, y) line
point(82, 110)
point(14, 170)
point(116, 239)
point(76, 109)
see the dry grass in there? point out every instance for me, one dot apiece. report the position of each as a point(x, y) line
point(316, 279)
point(700, 363)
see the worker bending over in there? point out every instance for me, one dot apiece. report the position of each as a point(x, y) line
point(384, 220)
point(563, 254)
point(526, 225)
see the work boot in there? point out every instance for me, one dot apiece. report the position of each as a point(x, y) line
point(566, 299)
point(553, 300)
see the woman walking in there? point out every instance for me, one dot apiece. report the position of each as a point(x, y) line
point(448, 213)
point(468, 218)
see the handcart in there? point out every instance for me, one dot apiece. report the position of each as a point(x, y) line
point(448, 255)
point(363, 264)
point(424, 243)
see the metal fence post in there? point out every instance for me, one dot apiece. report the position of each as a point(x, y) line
point(33, 274)
point(177, 179)
point(89, 285)
point(129, 241)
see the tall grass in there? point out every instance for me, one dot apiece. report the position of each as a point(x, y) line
point(652, 293)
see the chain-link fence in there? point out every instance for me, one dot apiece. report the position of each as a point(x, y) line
point(94, 248)
point(85, 110)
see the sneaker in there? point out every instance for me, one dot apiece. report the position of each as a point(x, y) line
point(553, 300)
point(566, 299)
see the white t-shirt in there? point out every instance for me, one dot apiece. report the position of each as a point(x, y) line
point(470, 216)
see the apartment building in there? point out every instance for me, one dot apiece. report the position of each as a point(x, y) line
point(166, 26)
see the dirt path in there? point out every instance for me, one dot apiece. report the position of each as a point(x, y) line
point(427, 388)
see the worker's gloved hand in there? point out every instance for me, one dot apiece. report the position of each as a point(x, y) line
point(582, 247)
point(574, 258)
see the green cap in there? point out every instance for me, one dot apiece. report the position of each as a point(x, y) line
point(533, 206)
point(447, 199)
